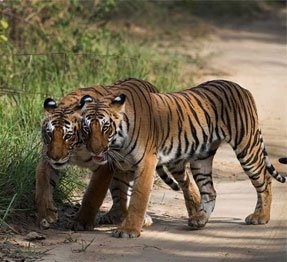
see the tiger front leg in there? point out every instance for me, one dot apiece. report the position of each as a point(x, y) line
point(144, 177)
point(46, 179)
point(121, 189)
point(93, 199)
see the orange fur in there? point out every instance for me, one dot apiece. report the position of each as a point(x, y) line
point(140, 131)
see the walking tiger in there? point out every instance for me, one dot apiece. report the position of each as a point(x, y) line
point(138, 131)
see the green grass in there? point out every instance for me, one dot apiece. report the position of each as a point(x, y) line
point(21, 109)
point(38, 70)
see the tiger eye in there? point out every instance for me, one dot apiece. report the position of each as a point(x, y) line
point(68, 136)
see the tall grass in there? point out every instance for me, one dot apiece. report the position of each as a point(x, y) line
point(21, 109)
point(33, 71)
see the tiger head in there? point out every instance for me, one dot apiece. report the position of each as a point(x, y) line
point(104, 126)
point(60, 132)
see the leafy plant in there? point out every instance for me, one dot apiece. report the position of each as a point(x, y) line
point(3, 27)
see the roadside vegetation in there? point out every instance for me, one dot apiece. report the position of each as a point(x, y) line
point(49, 48)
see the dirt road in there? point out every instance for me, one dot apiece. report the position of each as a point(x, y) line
point(225, 238)
point(253, 55)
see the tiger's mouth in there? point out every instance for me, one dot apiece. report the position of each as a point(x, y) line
point(100, 158)
point(58, 164)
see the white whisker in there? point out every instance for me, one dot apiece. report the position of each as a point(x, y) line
point(115, 159)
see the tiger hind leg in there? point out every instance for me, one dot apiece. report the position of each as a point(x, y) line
point(262, 183)
point(252, 160)
point(190, 193)
point(261, 214)
point(202, 174)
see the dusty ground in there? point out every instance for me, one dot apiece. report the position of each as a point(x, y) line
point(254, 54)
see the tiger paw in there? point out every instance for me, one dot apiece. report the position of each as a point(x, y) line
point(198, 220)
point(50, 217)
point(82, 223)
point(122, 233)
point(44, 224)
point(111, 217)
point(257, 219)
point(147, 220)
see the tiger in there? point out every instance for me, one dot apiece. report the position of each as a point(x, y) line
point(63, 146)
point(139, 131)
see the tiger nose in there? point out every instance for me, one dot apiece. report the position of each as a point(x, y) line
point(57, 154)
point(54, 158)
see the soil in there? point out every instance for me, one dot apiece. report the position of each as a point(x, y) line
point(253, 54)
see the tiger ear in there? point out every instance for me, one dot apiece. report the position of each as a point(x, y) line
point(85, 99)
point(50, 104)
point(118, 102)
